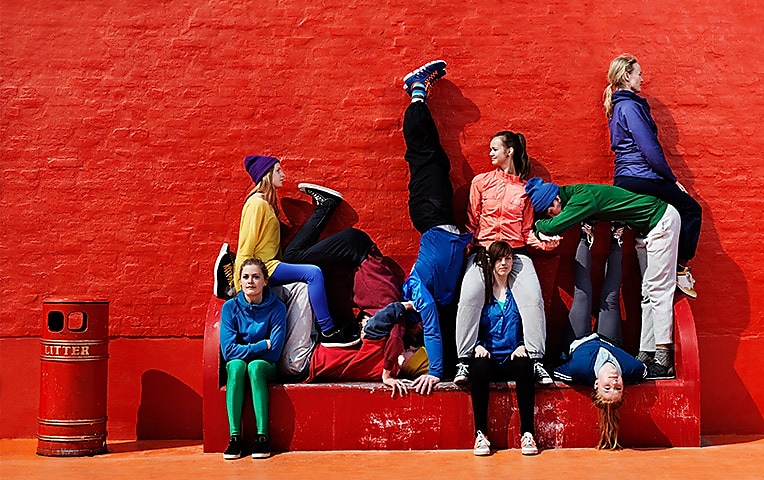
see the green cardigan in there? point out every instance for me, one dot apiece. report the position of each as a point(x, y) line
point(603, 202)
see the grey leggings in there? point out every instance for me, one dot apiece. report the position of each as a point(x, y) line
point(609, 316)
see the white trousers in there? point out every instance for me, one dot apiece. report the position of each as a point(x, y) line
point(657, 254)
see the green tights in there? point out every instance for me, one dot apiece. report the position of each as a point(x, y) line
point(260, 372)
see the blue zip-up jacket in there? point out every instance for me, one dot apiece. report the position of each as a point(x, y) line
point(580, 367)
point(433, 281)
point(501, 329)
point(634, 139)
point(245, 327)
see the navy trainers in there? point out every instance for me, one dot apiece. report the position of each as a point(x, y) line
point(426, 75)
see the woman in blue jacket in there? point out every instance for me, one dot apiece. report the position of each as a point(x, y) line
point(252, 327)
point(595, 358)
point(640, 165)
point(500, 352)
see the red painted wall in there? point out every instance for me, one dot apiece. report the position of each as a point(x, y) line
point(124, 127)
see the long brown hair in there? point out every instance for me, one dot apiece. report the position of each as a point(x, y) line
point(609, 421)
point(487, 259)
point(265, 188)
point(516, 141)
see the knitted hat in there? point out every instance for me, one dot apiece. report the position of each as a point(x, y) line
point(542, 194)
point(257, 166)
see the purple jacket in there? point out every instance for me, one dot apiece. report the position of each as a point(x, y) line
point(634, 139)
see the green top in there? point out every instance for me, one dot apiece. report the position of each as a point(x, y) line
point(603, 202)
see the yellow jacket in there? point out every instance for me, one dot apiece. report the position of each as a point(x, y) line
point(259, 236)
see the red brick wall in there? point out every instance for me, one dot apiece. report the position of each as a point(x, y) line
point(124, 128)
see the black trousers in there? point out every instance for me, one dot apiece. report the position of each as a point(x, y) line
point(689, 210)
point(430, 191)
point(483, 370)
point(347, 247)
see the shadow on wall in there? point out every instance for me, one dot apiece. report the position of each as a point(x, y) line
point(720, 381)
point(169, 409)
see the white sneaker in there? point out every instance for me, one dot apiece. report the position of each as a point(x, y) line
point(528, 444)
point(685, 283)
point(482, 445)
point(540, 374)
point(462, 376)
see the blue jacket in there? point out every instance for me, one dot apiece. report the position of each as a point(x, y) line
point(433, 281)
point(244, 327)
point(634, 139)
point(580, 367)
point(501, 329)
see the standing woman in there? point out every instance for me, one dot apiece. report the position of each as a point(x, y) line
point(640, 165)
point(260, 237)
point(252, 327)
point(500, 352)
point(499, 209)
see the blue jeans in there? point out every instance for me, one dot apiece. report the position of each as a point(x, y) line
point(310, 274)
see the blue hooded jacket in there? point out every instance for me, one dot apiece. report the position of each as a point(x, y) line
point(245, 327)
point(634, 139)
point(580, 367)
point(501, 330)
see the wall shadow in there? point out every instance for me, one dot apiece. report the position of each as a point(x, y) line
point(169, 409)
point(723, 288)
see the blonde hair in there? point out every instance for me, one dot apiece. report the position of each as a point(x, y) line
point(609, 421)
point(619, 67)
point(265, 188)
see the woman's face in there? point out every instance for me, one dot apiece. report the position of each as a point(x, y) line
point(278, 176)
point(633, 79)
point(502, 266)
point(609, 383)
point(252, 282)
point(501, 156)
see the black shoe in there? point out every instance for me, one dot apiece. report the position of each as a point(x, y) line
point(321, 195)
point(234, 448)
point(616, 232)
point(262, 447)
point(657, 371)
point(339, 338)
point(587, 231)
point(462, 376)
point(224, 265)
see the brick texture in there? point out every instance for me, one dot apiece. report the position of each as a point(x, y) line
point(124, 126)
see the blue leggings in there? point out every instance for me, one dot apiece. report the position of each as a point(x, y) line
point(310, 274)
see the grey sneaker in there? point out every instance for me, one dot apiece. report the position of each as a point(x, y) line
point(482, 445)
point(528, 444)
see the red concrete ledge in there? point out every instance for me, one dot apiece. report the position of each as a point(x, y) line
point(362, 416)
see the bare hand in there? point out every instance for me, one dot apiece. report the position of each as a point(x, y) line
point(519, 352)
point(424, 383)
point(399, 386)
point(481, 352)
point(268, 343)
point(548, 238)
point(681, 187)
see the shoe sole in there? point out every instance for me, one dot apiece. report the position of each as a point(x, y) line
point(530, 452)
point(461, 380)
point(480, 453)
point(545, 381)
point(231, 457)
point(261, 455)
point(304, 186)
point(689, 293)
point(223, 252)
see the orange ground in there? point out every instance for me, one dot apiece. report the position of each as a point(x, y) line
point(725, 457)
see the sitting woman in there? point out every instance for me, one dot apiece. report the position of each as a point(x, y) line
point(251, 339)
point(260, 236)
point(391, 347)
point(500, 352)
point(595, 358)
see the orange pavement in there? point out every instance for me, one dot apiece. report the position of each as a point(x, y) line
point(738, 458)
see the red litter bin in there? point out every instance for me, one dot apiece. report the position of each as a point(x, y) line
point(74, 353)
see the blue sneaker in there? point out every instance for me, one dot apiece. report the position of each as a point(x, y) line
point(426, 75)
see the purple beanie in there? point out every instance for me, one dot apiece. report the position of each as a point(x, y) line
point(258, 165)
point(541, 194)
